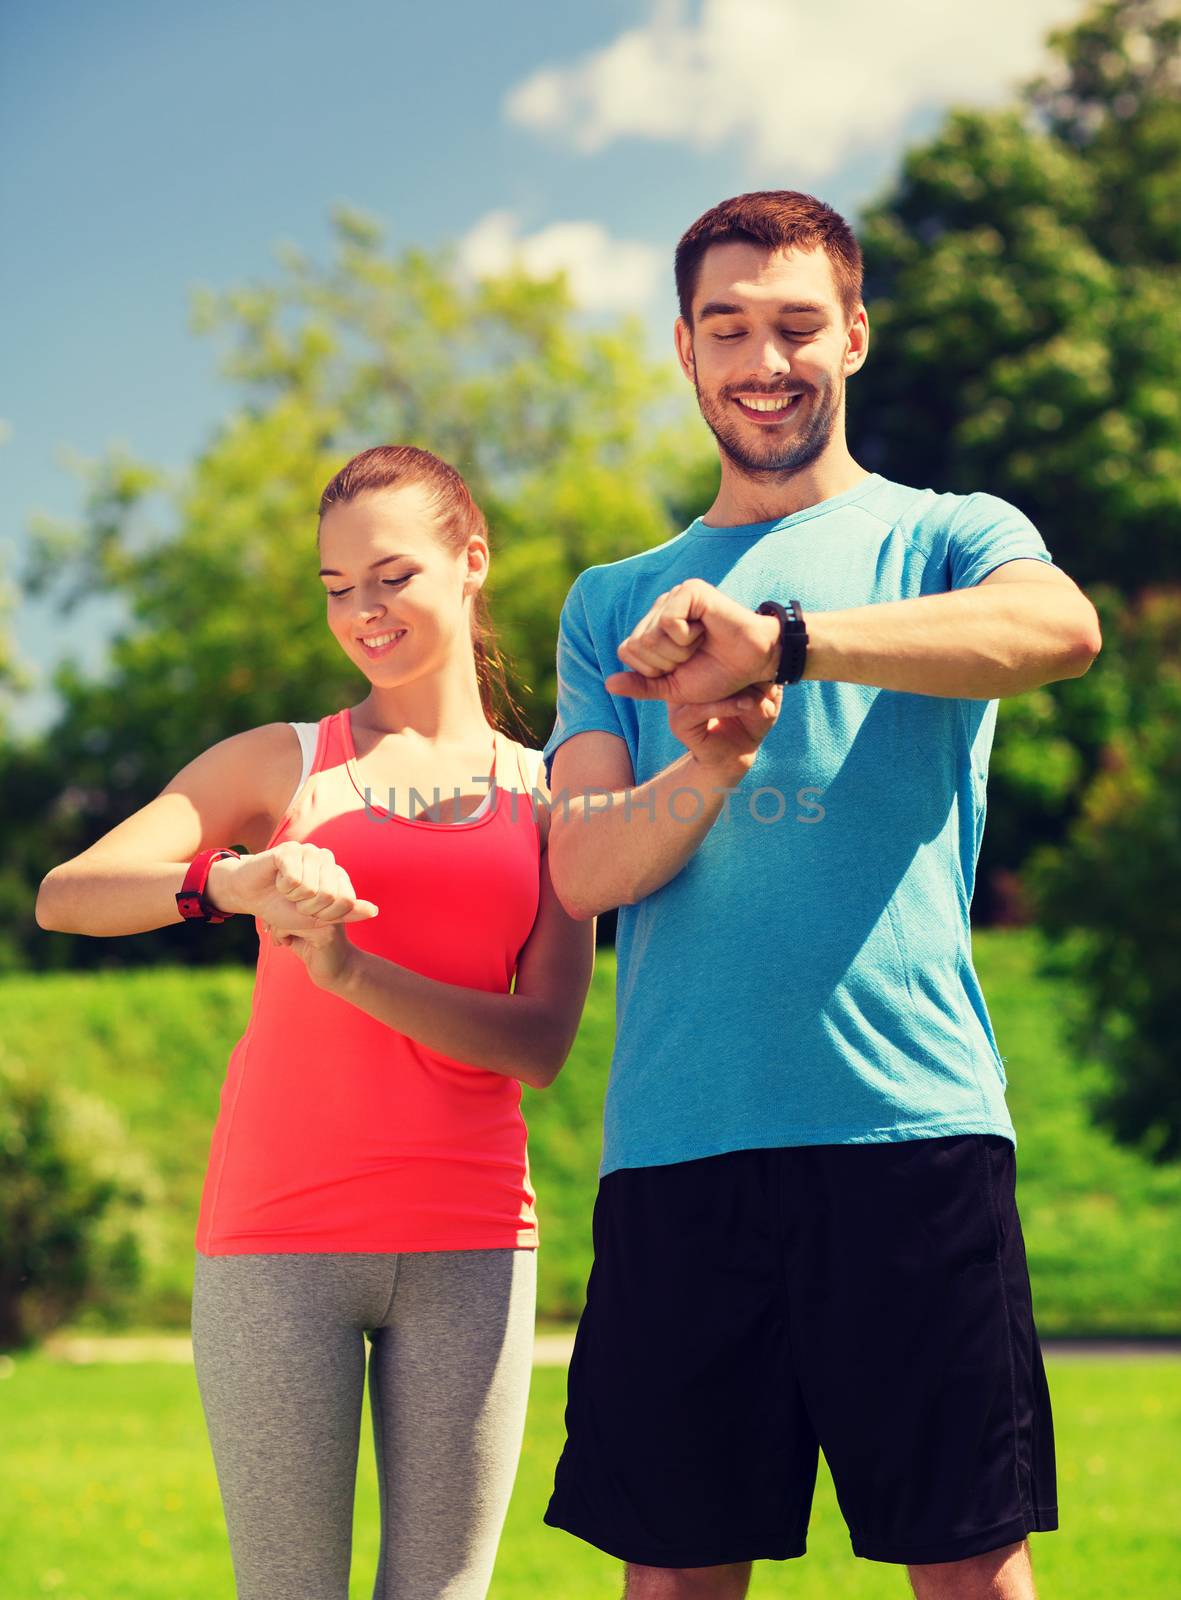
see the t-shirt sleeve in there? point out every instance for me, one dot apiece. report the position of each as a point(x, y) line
point(987, 531)
point(583, 703)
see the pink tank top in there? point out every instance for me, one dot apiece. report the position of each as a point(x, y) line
point(336, 1133)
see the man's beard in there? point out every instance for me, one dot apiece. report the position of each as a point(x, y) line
point(777, 457)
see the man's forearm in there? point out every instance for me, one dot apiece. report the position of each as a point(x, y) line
point(609, 849)
point(975, 644)
point(506, 1033)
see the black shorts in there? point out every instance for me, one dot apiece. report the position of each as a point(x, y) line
point(746, 1309)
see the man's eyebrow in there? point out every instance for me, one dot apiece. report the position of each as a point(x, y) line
point(331, 572)
point(722, 308)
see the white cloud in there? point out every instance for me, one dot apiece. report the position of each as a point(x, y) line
point(603, 273)
point(801, 86)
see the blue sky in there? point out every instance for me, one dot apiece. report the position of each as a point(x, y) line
point(151, 147)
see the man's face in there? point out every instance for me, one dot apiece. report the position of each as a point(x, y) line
point(769, 332)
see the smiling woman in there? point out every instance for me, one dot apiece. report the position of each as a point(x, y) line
point(368, 1174)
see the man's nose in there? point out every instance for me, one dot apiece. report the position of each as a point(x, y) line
point(773, 359)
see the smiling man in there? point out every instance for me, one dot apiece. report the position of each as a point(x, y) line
point(770, 753)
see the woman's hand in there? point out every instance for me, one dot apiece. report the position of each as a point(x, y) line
point(295, 888)
point(721, 733)
point(327, 953)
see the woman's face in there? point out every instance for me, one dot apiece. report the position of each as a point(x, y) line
point(396, 597)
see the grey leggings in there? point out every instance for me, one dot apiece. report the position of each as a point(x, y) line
point(279, 1346)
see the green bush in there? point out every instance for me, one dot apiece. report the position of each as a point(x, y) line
point(73, 1206)
point(1101, 1223)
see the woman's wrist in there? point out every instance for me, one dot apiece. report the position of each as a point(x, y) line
point(219, 885)
point(348, 975)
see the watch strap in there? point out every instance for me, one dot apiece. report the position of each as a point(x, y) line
point(191, 901)
point(793, 638)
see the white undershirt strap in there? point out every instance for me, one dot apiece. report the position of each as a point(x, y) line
point(307, 733)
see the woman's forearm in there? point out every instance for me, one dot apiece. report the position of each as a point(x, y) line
point(507, 1033)
point(105, 898)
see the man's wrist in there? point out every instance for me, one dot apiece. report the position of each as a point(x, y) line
point(725, 773)
point(765, 639)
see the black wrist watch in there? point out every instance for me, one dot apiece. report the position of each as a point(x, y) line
point(793, 638)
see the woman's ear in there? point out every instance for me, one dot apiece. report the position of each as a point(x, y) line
point(477, 563)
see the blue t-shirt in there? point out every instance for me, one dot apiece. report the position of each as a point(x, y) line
point(806, 977)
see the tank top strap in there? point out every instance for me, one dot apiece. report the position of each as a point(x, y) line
point(330, 746)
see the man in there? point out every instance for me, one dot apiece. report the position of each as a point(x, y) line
point(805, 1232)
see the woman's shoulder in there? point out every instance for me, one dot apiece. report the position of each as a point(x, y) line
point(268, 762)
point(252, 755)
point(271, 741)
point(239, 786)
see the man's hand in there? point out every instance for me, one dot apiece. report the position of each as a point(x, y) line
point(695, 644)
point(725, 734)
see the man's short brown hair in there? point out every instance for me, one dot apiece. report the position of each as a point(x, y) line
point(778, 219)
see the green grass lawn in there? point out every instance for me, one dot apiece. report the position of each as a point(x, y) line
point(1102, 1226)
point(107, 1492)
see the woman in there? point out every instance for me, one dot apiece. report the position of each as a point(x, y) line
point(368, 1173)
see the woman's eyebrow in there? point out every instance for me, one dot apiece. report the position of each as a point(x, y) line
point(331, 572)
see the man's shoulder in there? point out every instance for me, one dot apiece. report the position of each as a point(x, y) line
point(640, 563)
point(927, 516)
point(601, 584)
point(891, 502)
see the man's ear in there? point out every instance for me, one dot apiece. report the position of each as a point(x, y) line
point(859, 332)
point(683, 339)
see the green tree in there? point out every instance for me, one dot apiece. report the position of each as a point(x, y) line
point(1110, 894)
point(1113, 94)
point(1026, 341)
point(1023, 279)
point(572, 441)
point(14, 678)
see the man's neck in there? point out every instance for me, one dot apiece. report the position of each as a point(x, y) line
point(743, 499)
